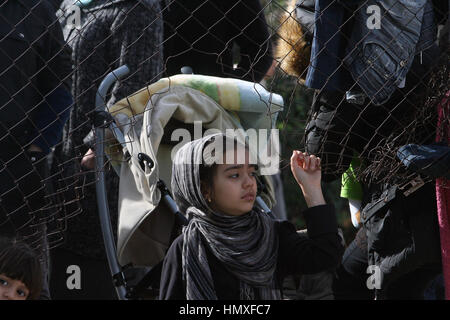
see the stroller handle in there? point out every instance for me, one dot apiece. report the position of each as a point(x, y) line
point(109, 80)
point(105, 222)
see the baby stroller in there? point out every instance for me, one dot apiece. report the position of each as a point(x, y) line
point(143, 132)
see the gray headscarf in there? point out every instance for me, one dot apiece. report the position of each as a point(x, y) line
point(247, 245)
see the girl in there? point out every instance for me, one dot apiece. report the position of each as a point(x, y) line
point(229, 250)
point(20, 271)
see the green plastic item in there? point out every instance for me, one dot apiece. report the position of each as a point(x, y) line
point(351, 188)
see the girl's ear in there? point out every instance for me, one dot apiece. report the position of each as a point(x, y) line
point(206, 191)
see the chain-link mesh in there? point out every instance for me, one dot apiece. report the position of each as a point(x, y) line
point(359, 79)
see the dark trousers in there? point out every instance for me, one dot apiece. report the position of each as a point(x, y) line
point(350, 277)
point(350, 282)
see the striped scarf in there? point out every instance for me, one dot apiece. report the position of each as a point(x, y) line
point(246, 245)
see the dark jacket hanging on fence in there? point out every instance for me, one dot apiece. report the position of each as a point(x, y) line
point(407, 28)
point(340, 126)
point(379, 59)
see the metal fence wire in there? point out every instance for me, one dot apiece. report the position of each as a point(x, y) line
point(359, 79)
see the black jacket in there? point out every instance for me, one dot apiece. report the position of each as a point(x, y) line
point(33, 62)
point(402, 232)
point(321, 250)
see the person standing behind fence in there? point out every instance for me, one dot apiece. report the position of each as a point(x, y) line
point(217, 38)
point(34, 102)
point(104, 35)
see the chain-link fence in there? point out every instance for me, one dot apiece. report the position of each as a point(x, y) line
point(359, 80)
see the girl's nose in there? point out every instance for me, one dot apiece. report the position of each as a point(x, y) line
point(7, 294)
point(248, 181)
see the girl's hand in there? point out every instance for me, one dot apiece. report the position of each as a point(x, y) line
point(306, 169)
point(307, 173)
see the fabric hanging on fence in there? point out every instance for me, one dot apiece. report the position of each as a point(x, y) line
point(443, 196)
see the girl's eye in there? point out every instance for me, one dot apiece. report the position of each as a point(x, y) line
point(236, 175)
point(3, 282)
point(21, 293)
point(254, 174)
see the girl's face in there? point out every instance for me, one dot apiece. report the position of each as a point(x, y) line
point(234, 188)
point(11, 289)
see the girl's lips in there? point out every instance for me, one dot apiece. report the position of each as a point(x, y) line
point(249, 197)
